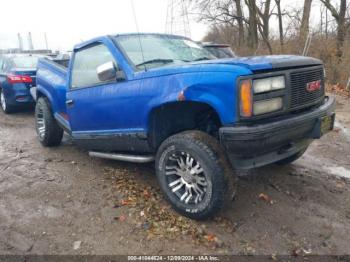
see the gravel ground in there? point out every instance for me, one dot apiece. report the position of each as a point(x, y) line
point(60, 201)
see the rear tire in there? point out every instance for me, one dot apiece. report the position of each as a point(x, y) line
point(4, 106)
point(194, 174)
point(292, 158)
point(49, 132)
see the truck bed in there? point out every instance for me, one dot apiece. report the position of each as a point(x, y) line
point(52, 83)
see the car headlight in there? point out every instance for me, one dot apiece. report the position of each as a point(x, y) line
point(267, 106)
point(269, 84)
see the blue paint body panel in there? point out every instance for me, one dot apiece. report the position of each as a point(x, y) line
point(125, 107)
point(52, 83)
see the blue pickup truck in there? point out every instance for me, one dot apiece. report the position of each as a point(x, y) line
point(163, 98)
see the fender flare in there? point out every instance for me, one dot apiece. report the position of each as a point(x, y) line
point(43, 92)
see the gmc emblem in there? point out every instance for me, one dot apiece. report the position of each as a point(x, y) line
point(313, 86)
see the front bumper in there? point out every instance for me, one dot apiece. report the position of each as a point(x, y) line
point(262, 144)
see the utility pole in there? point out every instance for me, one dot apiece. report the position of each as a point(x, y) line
point(177, 20)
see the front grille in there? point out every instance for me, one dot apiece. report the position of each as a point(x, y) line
point(300, 97)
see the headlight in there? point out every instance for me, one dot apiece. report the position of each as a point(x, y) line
point(267, 106)
point(269, 84)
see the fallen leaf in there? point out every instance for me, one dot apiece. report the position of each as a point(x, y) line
point(340, 184)
point(338, 89)
point(210, 237)
point(122, 218)
point(146, 193)
point(124, 202)
point(264, 197)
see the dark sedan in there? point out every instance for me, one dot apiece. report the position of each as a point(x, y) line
point(17, 76)
point(219, 50)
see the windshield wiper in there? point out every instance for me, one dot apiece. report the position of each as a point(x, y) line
point(201, 59)
point(157, 60)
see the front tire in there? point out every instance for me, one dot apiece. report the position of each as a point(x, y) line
point(193, 172)
point(49, 132)
point(4, 105)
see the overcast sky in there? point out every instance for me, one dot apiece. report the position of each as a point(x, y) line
point(68, 22)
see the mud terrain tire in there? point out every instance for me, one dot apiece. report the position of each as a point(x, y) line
point(49, 132)
point(195, 160)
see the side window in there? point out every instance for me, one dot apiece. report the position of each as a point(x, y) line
point(85, 64)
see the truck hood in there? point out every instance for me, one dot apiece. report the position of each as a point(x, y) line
point(240, 65)
point(261, 63)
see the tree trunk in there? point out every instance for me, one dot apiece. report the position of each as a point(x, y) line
point(280, 24)
point(341, 29)
point(253, 25)
point(304, 29)
point(266, 19)
point(240, 22)
point(339, 17)
point(267, 42)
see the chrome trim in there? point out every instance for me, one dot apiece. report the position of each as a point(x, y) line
point(123, 157)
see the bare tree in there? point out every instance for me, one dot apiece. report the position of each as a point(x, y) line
point(265, 17)
point(223, 12)
point(280, 23)
point(240, 21)
point(339, 16)
point(215, 11)
point(264, 23)
point(218, 11)
point(230, 13)
point(304, 28)
point(253, 24)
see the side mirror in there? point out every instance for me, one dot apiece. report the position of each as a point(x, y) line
point(107, 72)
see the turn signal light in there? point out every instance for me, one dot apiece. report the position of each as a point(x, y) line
point(246, 98)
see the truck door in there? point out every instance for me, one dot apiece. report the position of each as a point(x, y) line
point(98, 109)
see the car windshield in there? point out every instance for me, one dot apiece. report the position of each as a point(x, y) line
point(25, 61)
point(158, 50)
point(221, 52)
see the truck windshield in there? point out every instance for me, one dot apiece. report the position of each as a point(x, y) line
point(160, 50)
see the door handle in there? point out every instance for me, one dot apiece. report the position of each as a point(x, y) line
point(70, 102)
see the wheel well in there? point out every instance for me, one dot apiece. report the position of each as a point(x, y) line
point(39, 94)
point(176, 117)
